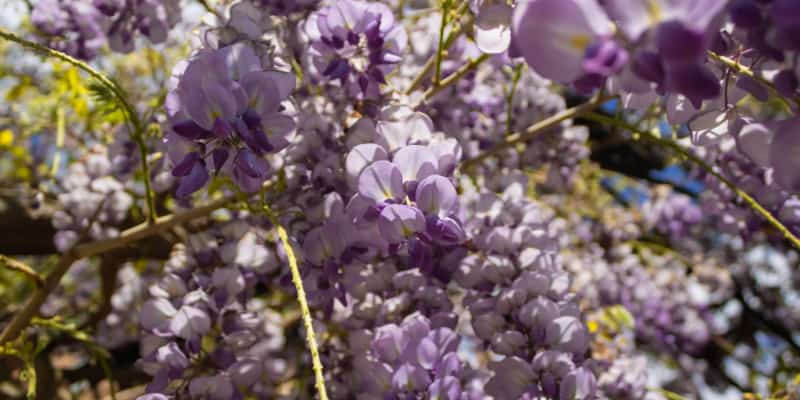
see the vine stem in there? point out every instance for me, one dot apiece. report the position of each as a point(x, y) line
point(516, 75)
point(534, 130)
point(744, 70)
point(758, 208)
point(452, 78)
point(22, 268)
point(432, 61)
point(311, 339)
point(119, 94)
point(440, 49)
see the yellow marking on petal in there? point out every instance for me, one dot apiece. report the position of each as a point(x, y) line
point(592, 325)
point(580, 42)
point(654, 12)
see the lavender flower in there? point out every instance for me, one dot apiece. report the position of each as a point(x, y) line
point(202, 325)
point(95, 204)
point(72, 26)
point(357, 43)
point(567, 41)
point(81, 27)
point(227, 113)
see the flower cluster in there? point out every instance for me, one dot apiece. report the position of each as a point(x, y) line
point(202, 325)
point(227, 112)
point(519, 300)
point(95, 204)
point(526, 199)
point(72, 26)
point(410, 360)
point(81, 27)
point(357, 43)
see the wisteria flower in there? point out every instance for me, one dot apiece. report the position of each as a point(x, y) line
point(357, 43)
point(227, 113)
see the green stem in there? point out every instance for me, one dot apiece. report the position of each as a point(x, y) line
point(532, 131)
point(22, 268)
point(758, 208)
point(440, 50)
point(151, 204)
point(311, 339)
point(426, 69)
point(741, 69)
point(60, 133)
point(454, 77)
point(119, 94)
point(510, 99)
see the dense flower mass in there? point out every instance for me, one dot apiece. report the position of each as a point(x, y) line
point(96, 203)
point(356, 43)
point(400, 199)
point(227, 112)
point(81, 27)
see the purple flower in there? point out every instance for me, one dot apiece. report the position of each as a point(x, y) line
point(556, 36)
point(785, 144)
point(411, 360)
point(679, 34)
point(72, 26)
point(81, 27)
point(226, 114)
point(357, 43)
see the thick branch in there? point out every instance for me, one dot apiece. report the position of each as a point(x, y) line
point(128, 237)
point(532, 131)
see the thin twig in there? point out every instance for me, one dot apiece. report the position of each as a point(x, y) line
point(437, 77)
point(744, 70)
point(311, 339)
point(210, 8)
point(22, 268)
point(516, 75)
point(128, 237)
point(454, 77)
point(758, 208)
point(533, 130)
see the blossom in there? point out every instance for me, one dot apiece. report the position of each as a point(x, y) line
point(227, 113)
point(357, 43)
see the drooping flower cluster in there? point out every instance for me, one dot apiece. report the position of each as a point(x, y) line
point(81, 27)
point(95, 204)
point(519, 300)
point(72, 26)
point(409, 360)
point(126, 18)
point(402, 201)
point(202, 325)
point(667, 316)
point(356, 43)
point(674, 214)
point(226, 113)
